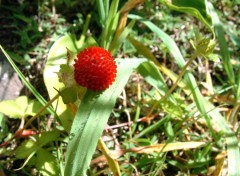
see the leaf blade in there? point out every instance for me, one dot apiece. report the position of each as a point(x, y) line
point(91, 119)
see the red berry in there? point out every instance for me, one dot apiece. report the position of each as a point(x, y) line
point(95, 69)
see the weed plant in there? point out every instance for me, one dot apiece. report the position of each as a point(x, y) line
point(173, 108)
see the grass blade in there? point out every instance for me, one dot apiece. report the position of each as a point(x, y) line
point(113, 164)
point(111, 25)
point(115, 45)
point(153, 76)
point(91, 118)
point(222, 44)
point(101, 11)
point(197, 9)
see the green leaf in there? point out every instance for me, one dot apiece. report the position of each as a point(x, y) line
point(196, 8)
point(91, 118)
point(225, 55)
point(117, 43)
point(26, 149)
point(11, 109)
point(111, 29)
point(57, 56)
point(21, 107)
point(109, 20)
point(205, 46)
point(47, 137)
point(14, 108)
point(102, 11)
point(69, 94)
point(153, 127)
point(142, 49)
point(214, 57)
point(46, 163)
point(23, 102)
point(111, 25)
point(152, 75)
point(112, 11)
point(29, 146)
point(90, 41)
point(33, 108)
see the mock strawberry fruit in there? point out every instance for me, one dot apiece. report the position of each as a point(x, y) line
point(95, 69)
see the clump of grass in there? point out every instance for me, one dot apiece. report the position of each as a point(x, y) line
point(163, 121)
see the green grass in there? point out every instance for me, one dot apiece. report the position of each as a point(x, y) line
point(173, 109)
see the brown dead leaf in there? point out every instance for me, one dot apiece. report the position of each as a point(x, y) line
point(157, 148)
point(128, 6)
point(220, 163)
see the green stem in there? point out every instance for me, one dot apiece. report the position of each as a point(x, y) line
point(85, 28)
point(194, 56)
point(40, 112)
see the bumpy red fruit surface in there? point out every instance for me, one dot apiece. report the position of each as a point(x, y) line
point(95, 69)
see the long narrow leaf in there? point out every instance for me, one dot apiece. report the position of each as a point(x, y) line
point(115, 45)
point(153, 76)
point(196, 8)
point(222, 44)
point(111, 25)
point(101, 11)
point(91, 118)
